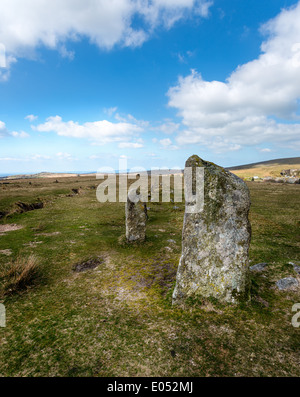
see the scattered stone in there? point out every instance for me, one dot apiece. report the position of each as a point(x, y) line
point(215, 241)
point(290, 172)
point(77, 191)
point(259, 267)
point(296, 267)
point(261, 301)
point(285, 179)
point(136, 217)
point(6, 252)
point(293, 180)
point(175, 207)
point(269, 179)
point(287, 283)
point(49, 234)
point(169, 249)
point(87, 265)
point(32, 244)
point(171, 241)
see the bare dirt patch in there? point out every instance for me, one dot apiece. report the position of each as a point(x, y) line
point(9, 228)
point(49, 234)
point(87, 265)
point(7, 252)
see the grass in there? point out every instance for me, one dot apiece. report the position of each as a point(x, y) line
point(16, 276)
point(116, 319)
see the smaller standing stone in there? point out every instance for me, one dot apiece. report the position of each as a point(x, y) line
point(287, 283)
point(136, 217)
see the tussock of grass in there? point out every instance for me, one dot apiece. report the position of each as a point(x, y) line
point(17, 275)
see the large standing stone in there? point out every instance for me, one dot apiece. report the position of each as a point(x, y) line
point(136, 217)
point(215, 241)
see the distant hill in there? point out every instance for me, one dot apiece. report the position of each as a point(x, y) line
point(260, 169)
point(40, 175)
point(266, 168)
point(287, 161)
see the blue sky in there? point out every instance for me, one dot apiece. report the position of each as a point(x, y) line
point(83, 83)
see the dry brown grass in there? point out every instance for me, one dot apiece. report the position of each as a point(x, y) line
point(17, 275)
point(261, 170)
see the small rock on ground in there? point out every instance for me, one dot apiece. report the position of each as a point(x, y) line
point(287, 283)
point(296, 267)
point(259, 267)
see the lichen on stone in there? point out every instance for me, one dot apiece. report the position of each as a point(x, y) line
point(215, 243)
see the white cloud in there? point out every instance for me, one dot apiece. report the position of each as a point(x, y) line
point(167, 144)
point(130, 145)
point(31, 117)
point(4, 132)
point(265, 150)
point(21, 134)
point(26, 159)
point(3, 129)
point(110, 111)
point(10, 159)
point(64, 156)
point(26, 25)
point(99, 131)
point(244, 109)
point(152, 155)
point(169, 127)
point(94, 157)
point(40, 157)
point(65, 53)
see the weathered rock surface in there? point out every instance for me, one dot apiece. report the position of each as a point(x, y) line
point(215, 242)
point(296, 267)
point(287, 283)
point(136, 217)
point(259, 267)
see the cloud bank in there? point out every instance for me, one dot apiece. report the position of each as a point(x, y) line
point(27, 25)
point(259, 102)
